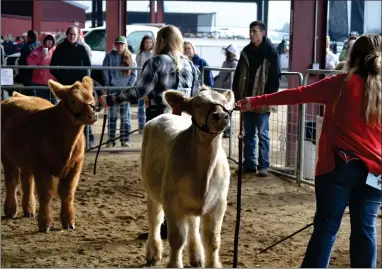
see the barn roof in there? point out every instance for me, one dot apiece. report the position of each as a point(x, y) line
point(76, 4)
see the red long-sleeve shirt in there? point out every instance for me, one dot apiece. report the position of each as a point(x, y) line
point(347, 130)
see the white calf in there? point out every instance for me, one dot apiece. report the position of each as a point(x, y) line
point(186, 174)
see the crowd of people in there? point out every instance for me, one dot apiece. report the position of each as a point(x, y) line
point(350, 147)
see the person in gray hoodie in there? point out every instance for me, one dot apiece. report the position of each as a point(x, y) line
point(121, 56)
point(224, 79)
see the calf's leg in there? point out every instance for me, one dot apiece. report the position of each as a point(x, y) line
point(45, 192)
point(67, 189)
point(195, 247)
point(154, 243)
point(11, 178)
point(177, 234)
point(211, 228)
point(29, 202)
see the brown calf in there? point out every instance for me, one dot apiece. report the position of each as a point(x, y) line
point(42, 142)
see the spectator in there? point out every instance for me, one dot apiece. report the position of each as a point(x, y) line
point(121, 56)
point(70, 53)
point(331, 59)
point(25, 75)
point(42, 56)
point(190, 52)
point(224, 79)
point(145, 53)
point(257, 73)
point(350, 153)
point(345, 51)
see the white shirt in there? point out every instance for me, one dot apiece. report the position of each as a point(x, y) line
point(331, 60)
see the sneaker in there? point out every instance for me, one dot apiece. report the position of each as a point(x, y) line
point(125, 144)
point(140, 131)
point(92, 144)
point(263, 172)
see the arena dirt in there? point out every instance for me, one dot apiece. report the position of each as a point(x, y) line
point(111, 212)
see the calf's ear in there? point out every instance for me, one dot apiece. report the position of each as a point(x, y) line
point(87, 82)
point(177, 100)
point(59, 90)
point(229, 95)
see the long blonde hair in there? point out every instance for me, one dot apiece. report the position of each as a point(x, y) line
point(170, 41)
point(365, 60)
point(126, 60)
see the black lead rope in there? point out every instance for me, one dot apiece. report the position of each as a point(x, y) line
point(238, 200)
point(100, 142)
point(285, 238)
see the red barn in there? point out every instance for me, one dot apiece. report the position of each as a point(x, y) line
point(56, 16)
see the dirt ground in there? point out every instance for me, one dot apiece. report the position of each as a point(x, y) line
point(111, 212)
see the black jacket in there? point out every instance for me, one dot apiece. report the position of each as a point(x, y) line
point(251, 59)
point(67, 54)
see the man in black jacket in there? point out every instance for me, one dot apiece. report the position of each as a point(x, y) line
point(257, 73)
point(70, 53)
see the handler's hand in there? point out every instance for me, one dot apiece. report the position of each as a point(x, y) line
point(244, 104)
point(102, 100)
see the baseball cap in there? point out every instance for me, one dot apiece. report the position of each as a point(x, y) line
point(354, 34)
point(231, 48)
point(121, 39)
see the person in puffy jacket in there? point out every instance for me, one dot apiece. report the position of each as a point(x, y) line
point(42, 55)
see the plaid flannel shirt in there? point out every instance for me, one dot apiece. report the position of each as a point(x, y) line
point(159, 74)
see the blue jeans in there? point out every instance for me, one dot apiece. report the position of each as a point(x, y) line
point(346, 184)
point(125, 118)
point(141, 114)
point(256, 123)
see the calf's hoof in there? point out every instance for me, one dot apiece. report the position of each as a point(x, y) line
point(151, 262)
point(197, 263)
point(29, 215)
point(44, 229)
point(10, 212)
point(68, 226)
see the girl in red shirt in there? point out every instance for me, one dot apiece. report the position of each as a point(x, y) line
point(349, 165)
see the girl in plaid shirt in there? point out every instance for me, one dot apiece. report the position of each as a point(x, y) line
point(168, 69)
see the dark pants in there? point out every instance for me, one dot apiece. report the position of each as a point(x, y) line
point(346, 184)
point(154, 111)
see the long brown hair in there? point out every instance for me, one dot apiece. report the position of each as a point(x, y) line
point(126, 60)
point(365, 60)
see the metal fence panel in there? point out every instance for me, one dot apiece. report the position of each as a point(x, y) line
point(293, 144)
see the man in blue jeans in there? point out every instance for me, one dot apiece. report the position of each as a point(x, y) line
point(257, 73)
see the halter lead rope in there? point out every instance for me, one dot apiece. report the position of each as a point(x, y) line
point(238, 195)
